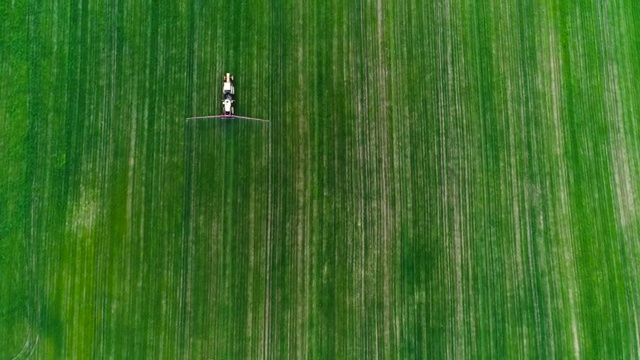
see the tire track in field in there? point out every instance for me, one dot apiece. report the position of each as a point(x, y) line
point(563, 211)
point(390, 184)
point(360, 119)
point(276, 37)
point(453, 171)
point(374, 164)
point(304, 42)
point(19, 121)
point(624, 169)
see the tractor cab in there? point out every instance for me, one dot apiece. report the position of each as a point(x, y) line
point(227, 85)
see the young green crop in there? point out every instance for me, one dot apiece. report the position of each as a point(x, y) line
point(443, 180)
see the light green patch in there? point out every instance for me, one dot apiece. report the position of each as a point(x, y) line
point(83, 215)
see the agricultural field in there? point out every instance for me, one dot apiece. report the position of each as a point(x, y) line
point(439, 179)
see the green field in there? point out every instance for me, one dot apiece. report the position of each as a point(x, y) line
point(440, 179)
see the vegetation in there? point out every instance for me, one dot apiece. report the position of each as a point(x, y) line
point(447, 179)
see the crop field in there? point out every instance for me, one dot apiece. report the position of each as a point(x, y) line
point(439, 179)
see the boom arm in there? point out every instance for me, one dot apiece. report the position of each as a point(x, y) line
point(227, 117)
